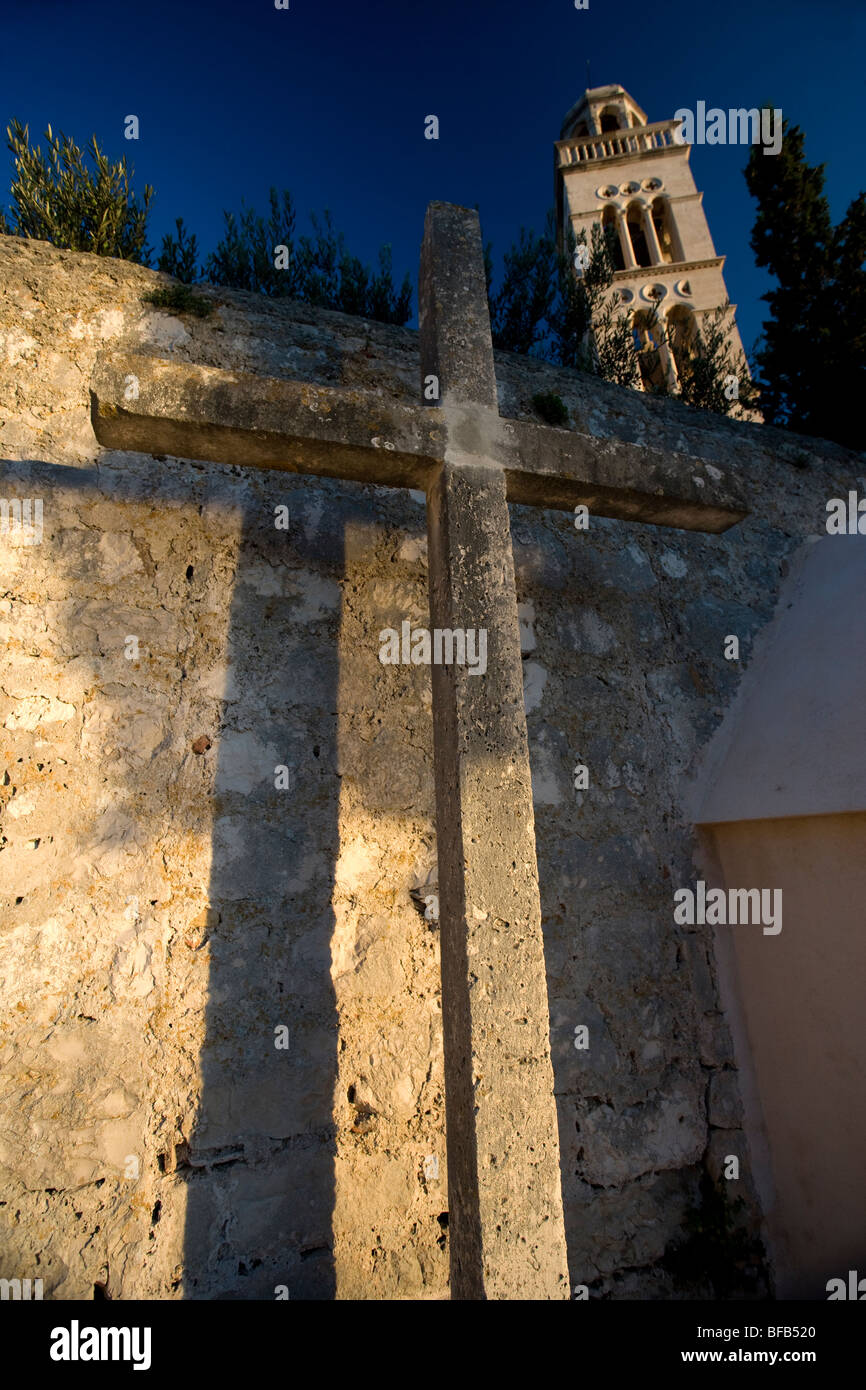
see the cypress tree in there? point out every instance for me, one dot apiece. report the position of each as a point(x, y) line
point(811, 358)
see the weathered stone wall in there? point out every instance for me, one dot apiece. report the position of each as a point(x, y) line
point(166, 907)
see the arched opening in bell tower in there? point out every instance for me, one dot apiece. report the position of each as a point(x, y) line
point(637, 236)
point(610, 227)
point(663, 223)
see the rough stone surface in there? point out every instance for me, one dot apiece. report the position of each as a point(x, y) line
point(506, 1220)
point(724, 1107)
point(503, 1149)
point(166, 909)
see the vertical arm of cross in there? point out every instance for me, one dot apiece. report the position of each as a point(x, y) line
point(506, 1224)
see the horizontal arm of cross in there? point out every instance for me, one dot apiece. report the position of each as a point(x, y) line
point(154, 406)
point(151, 405)
point(560, 468)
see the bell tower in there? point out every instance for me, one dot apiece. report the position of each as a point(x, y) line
point(616, 168)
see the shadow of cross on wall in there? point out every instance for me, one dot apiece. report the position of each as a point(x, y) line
point(505, 1204)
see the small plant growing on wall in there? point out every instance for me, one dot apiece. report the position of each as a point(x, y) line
point(550, 407)
point(180, 299)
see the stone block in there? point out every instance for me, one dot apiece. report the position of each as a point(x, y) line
point(724, 1106)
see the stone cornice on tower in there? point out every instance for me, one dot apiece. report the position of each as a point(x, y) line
point(645, 141)
point(668, 268)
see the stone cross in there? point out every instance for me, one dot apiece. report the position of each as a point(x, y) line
point(506, 1225)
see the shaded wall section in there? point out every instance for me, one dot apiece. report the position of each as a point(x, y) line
point(801, 994)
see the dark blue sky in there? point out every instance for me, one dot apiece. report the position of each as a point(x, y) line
point(329, 99)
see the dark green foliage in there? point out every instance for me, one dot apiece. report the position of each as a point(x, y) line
point(551, 407)
point(613, 340)
point(317, 268)
point(332, 279)
point(718, 1246)
point(181, 299)
point(704, 366)
point(320, 261)
point(244, 258)
point(812, 355)
point(520, 310)
point(703, 373)
point(542, 307)
point(570, 318)
point(558, 302)
point(179, 255)
point(384, 303)
point(591, 330)
point(60, 197)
